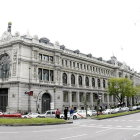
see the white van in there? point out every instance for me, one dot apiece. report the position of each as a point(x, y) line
point(48, 114)
point(81, 114)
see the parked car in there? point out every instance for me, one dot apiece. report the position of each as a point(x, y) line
point(81, 114)
point(48, 114)
point(133, 108)
point(138, 107)
point(11, 114)
point(31, 115)
point(94, 112)
point(115, 110)
point(125, 109)
point(106, 111)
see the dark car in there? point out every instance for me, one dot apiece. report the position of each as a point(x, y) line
point(11, 114)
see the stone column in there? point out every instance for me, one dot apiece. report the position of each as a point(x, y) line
point(90, 82)
point(96, 82)
point(116, 73)
point(91, 100)
point(55, 76)
point(76, 80)
point(77, 99)
point(106, 83)
point(101, 83)
point(108, 101)
point(83, 81)
point(69, 79)
point(61, 78)
point(70, 99)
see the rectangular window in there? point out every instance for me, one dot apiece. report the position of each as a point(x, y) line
point(73, 64)
point(105, 97)
point(46, 57)
point(70, 63)
point(88, 97)
point(65, 96)
point(40, 74)
point(51, 58)
point(40, 56)
point(77, 65)
point(81, 97)
point(45, 75)
point(51, 75)
point(74, 97)
point(81, 66)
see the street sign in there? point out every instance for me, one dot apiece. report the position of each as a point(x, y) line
point(52, 105)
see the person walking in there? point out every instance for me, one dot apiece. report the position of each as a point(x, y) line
point(65, 113)
point(71, 113)
point(57, 113)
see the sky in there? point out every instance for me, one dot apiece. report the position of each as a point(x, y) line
point(101, 27)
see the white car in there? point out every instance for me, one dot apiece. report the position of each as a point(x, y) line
point(62, 116)
point(31, 115)
point(48, 114)
point(107, 111)
point(81, 114)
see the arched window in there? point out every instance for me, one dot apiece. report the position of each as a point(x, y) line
point(104, 83)
point(64, 78)
point(72, 79)
point(98, 82)
point(93, 82)
point(80, 80)
point(4, 66)
point(87, 81)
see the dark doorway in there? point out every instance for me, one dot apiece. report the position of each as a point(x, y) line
point(3, 99)
point(46, 100)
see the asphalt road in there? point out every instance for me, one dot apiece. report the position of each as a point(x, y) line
point(119, 128)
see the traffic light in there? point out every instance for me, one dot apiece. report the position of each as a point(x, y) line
point(96, 96)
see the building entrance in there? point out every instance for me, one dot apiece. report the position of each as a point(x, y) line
point(3, 99)
point(46, 100)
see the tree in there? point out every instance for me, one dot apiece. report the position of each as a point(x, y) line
point(120, 87)
point(136, 92)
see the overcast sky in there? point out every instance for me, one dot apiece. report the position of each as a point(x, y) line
point(99, 27)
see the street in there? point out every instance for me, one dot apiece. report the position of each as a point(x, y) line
point(119, 128)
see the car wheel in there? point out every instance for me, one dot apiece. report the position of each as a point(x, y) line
point(25, 117)
point(74, 117)
point(62, 117)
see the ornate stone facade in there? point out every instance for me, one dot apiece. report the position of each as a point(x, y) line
point(40, 66)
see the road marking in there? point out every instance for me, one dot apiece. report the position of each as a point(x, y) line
point(102, 130)
point(129, 126)
point(115, 120)
point(73, 137)
point(99, 125)
point(44, 130)
point(109, 125)
point(138, 120)
point(73, 127)
point(8, 132)
point(130, 120)
point(136, 134)
point(118, 126)
point(122, 120)
point(92, 124)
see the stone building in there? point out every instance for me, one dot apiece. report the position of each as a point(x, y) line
point(57, 76)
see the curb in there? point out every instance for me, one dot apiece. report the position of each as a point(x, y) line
point(113, 116)
point(40, 124)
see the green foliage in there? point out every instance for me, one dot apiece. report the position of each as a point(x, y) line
point(29, 121)
point(137, 104)
point(54, 89)
point(112, 107)
point(120, 87)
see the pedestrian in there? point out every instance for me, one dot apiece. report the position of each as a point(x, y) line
point(57, 113)
point(65, 113)
point(71, 113)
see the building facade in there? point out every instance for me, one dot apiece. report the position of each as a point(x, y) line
point(57, 76)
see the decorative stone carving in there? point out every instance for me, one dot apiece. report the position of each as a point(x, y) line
point(89, 55)
point(77, 51)
point(116, 63)
point(14, 62)
point(35, 37)
point(56, 43)
point(6, 36)
point(62, 47)
point(17, 34)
